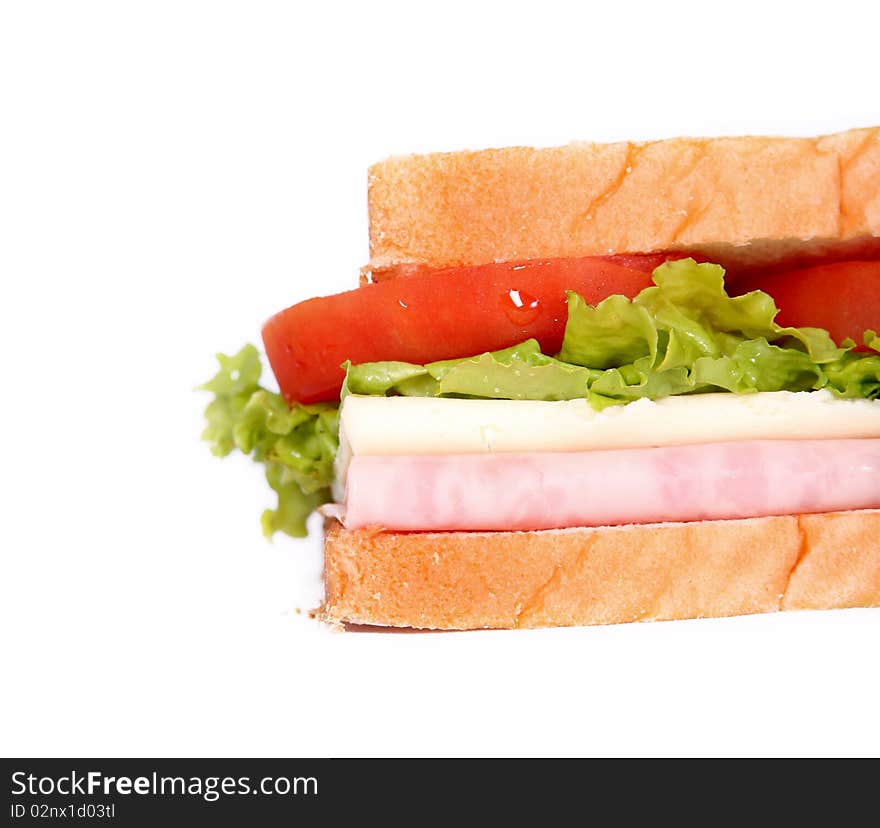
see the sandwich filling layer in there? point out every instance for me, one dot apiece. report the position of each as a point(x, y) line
point(422, 464)
point(549, 490)
point(679, 362)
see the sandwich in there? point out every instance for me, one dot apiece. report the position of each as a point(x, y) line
point(585, 385)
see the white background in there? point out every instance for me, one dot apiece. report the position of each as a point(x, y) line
point(171, 174)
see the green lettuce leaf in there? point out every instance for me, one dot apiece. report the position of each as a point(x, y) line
point(518, 373)
point(387, 378)
point(688, 336)
point(613, 333)
point(857, 374)
point(297, 444)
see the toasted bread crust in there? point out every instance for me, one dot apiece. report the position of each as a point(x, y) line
point(607, 575)
point(743, 201)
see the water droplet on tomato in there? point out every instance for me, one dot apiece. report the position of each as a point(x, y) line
point(520, 307)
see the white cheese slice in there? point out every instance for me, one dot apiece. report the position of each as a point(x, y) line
point(418, 425)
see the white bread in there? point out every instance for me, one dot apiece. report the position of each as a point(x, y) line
point(743, 202)
point(606, 575)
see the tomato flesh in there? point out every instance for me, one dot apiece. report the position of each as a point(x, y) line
point(447, 314)
point(843, 298)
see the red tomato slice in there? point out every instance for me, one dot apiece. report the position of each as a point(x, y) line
point(447, 314)
point(843, 298)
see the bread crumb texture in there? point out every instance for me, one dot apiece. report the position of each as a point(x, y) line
point(606, 575)
point(583, 199)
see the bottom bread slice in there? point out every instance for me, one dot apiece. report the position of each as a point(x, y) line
point(604, 575)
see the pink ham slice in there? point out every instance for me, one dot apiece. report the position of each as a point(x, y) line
point(601, 488)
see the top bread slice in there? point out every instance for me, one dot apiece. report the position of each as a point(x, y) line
point(749, 201)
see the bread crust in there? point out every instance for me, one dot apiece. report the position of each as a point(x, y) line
point(606, 575)
point(743, 201)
